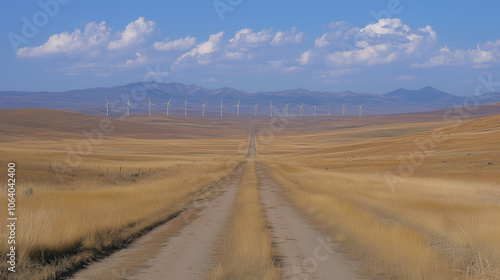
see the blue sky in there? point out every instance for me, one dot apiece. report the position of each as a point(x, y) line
point(254, 45)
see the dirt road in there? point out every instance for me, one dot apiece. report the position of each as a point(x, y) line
point(180, 249)
point(304, 252)
point(183, 248)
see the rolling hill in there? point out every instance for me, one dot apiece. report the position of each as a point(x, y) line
point(92, 100)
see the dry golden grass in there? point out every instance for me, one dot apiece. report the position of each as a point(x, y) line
point(440, 222)
point(68, 218)
point(246, 250)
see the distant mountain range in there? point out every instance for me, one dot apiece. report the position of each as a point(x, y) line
point(93, 100)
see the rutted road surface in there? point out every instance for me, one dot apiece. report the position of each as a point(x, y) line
point(304, 252)
point(183, 248)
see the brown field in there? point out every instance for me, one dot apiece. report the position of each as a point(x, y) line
point(70, 217)
point(411, 196)
point(436, 217)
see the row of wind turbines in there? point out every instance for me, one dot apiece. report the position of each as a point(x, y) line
point(221, 107)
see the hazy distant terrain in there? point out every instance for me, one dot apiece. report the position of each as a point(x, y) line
point(92, 100)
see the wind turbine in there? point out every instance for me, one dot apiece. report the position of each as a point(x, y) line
point(168, 106)
point(301, 110)
point(238, 107)
point(287, 104)
point(343, 109)
point(149, 106)
point(221, 107)
point(204, 104)
point(256, 105)
point(315, 110)
point(271, 107)
point(361, 109)
point(128, 107)
point(330, 108)
point(185, 106)
point(107, 107)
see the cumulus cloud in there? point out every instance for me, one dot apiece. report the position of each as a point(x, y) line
point(382, 42)
point(386, 26)
point(94, 35)
point(135, 33)
point(247, 38)
point(140, 59)
point(306, 57)
point(176, 45)
point(202, 51)
point(322, 41)
point(287, 37)
point(369, 55)
point(95, 38)
point(484, 53)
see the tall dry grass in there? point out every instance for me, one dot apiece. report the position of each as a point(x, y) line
point(246, 250)
point(440, 221)
point(93, 208)
point(392, 250)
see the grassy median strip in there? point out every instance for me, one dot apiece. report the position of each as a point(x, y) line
point(246, 250)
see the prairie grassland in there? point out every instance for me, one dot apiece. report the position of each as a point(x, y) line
point(246, 250)
point(71, 217)
point(439, 221)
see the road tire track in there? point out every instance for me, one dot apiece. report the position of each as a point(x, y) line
point(304, 253)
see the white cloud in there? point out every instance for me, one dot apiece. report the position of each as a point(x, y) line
point(287, 37)
point(305, 58)
point(202, 51)
point(138, 60)
point(246, 37)
point(322, 41)
point(386, 26)
point(135, 33)
point(275, 64)
point(488, 52)
point(291, 68)
point(234, 55)
point(176, 45)
point(73, 43)
point(383, 42)
point(428, 29)
point(370, 55)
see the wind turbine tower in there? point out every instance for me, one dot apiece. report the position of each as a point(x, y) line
point(255, 113)
point(330, 108)
point(287, 104)
point(343, 109)
point(128, 107)
point(185, 106)
point(301, 109)
point(238, 107)
point(169, 107)
point(271, 107)
point(203, 105)
point(361, 109)
point(149, 107)
point(315, 110)
point(107, 107)
point(221, 107)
